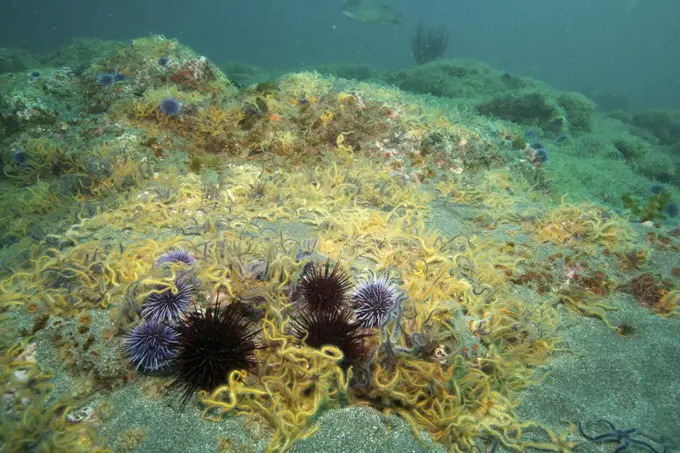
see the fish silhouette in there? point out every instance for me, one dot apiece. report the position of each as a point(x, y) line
point(371, 12)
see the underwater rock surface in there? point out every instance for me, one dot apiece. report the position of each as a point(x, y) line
point(517, 272)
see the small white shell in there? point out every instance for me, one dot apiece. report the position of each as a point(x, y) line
point(80, 415)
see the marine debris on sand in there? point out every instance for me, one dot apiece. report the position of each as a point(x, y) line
point(252, 268)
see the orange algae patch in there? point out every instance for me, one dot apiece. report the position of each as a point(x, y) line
point(669, 304)
point(660, 296)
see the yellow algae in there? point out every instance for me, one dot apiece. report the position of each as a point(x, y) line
point(584, 224)
point(294, 383)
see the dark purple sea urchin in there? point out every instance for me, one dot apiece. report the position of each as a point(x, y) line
point(323, 287)
point(169, 304)
point(335, 327)
point(373, 301)
point(151, 345)
point(212, 344)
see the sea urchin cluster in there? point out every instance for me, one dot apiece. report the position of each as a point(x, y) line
point(202, 346)
point(325, 317)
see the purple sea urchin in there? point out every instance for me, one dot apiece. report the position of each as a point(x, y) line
point(541, 155)
point(373, 301)
point(333, 327)
point(323, 287)
point(20, 157)
point(176, 256)
point(657, 188)
point(307, 268)
point(169, 304)
point(151, 345)
point(170, 107)
point(211, 345)
point(105, 79)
